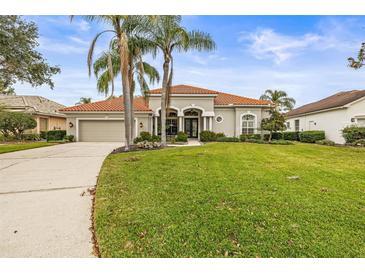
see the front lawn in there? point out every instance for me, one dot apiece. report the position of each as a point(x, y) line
point(4, 148)
point(233, 200)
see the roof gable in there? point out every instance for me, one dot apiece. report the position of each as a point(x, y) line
point(339, 99)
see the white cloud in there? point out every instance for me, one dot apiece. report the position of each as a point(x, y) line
point(268, 44)
point(61, 47)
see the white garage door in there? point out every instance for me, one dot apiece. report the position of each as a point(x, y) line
point(101, 131)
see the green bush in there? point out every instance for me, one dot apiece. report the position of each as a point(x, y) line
point(56, 135)
point(15, 123)
point(353, 133)
point(360, 142)
point(325, 142)
point(244, 137)
point(145, 135)
point(286, 135)
point(70, 138)
point(256, 141)
point(43, 135)
point(208, 136)
point(181, 137)
point(228, 139)
point(155, 138)
point(31, 137)
point(311, 136)
point(219, 135)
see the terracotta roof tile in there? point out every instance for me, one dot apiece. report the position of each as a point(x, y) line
point(115, 104)
point(230, 99)
point(337, 100)
point(185, 89)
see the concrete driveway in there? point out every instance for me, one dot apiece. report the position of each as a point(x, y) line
point(44, 202)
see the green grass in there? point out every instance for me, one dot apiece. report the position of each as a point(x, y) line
point(233, 200)
point(22, 146)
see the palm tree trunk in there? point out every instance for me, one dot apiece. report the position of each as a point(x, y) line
point(165, 80)
point(131, 68)
point(123, 54)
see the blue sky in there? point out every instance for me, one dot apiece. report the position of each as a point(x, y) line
point(303, 55)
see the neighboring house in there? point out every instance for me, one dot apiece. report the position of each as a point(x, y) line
point(43, 110)
point(192, 109)
point(330, 114)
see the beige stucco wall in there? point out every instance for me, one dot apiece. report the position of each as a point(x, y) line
point(331, 121)
point(143, 120)
point(53, 123)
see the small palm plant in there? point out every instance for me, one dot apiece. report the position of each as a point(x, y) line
point(279, 99)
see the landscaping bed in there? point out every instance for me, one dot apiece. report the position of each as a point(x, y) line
point(232, 200)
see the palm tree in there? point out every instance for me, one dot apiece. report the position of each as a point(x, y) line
point(117, 25)
point(279, 99)
point(166, 34)
point(84, 100)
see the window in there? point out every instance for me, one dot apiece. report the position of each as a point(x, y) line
point(288, 125)
point(248, 124)
point(191, 112)
point(219, 119)
point(296, 125)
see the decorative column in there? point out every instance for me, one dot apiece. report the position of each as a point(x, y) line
point(180, 123)
point(210, 123)
point(156, 125)
point(204, 123)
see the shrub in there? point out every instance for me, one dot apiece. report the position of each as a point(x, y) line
point(353, 133)
point(16, 123)
point(256, 141)
point(244, 137)
point(220, 134)
point(70, 138)
point(360, 142)
point(43, 135)
point(145, 135)
point(280, 142)
point(290, 135)
point(155, 138)
point(208, 136)
point(181, 137)
point(56, 135)
point(325, 142)
point(228, 139)
point(31, 137)
point(311, 136)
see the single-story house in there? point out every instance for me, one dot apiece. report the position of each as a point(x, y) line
point(330, 114)
point(42, 109)
point(191, 109)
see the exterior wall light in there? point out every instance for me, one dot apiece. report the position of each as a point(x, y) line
point(70, 124)
point(140, 125)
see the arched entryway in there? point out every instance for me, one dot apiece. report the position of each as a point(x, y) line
point(192, 118)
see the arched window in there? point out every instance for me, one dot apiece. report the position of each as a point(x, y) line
point(191, 112)
point(248, 124)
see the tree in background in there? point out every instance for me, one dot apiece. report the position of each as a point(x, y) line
point(16, 123)
point(275, 123)
point(84, 100)
point(19, 61)
point(279, 99)
point(359, 62)
point(167, 35)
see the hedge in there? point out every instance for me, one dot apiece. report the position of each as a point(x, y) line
point(208, 136)
point(244, 137)
point(56, 135)
point(287, 135)
point(311, 136)
point(146, 136)
point(228, 139)
point(353, 133)
point(181, 137)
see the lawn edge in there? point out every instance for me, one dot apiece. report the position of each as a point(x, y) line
point(51, 144)
point(94, 240)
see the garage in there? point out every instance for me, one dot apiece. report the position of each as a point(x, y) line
point(101, 131)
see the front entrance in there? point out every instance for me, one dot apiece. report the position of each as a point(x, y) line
point(191, 127)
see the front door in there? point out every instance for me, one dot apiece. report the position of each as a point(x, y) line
point(191, 127)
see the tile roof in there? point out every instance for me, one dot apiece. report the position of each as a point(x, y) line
point(31, 104)
point(114, 104)
point(337, 100)
point(224, 99)
point(185, 89)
